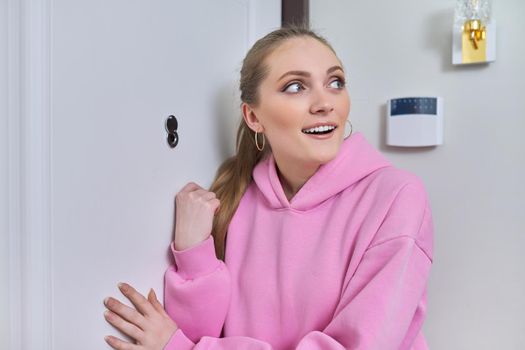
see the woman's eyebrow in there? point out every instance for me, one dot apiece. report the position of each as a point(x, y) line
point(306, 74)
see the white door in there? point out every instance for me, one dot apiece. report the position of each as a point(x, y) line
point(114, 72)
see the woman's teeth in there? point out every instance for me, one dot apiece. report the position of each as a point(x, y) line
point(319, 130)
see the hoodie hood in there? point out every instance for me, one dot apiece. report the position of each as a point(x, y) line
point(356, 159)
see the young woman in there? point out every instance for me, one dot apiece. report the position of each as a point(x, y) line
point(319, 242)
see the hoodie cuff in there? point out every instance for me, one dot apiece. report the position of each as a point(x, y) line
point(179, 341)
point(196, 261)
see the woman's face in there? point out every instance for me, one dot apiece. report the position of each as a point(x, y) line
point(305, 87)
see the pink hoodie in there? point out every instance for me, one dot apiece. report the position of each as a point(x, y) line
point(344, 265)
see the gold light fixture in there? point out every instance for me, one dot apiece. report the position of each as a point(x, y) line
point(474, 32)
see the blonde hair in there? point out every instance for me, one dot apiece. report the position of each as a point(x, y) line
point(234, 175)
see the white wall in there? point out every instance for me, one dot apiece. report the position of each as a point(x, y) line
point(476, 178)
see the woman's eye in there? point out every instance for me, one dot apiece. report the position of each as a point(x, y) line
point(293, 84)
point(341, 83)
point(299, 86)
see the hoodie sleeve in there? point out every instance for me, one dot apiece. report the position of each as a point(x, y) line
point(383, 302)
point(197, 290)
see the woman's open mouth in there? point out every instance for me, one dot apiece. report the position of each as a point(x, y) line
point(322, 132)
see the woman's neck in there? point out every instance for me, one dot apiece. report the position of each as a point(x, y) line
point(293, 177)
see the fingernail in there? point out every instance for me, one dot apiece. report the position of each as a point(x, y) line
point(106, 338)
point(106, 301)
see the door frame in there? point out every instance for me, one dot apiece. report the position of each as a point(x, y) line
point(295, 11)
point(28, 174)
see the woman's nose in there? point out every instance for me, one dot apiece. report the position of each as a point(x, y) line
point(321, 102)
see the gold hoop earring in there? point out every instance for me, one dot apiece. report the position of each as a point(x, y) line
point(257, 144)
point(351, 128)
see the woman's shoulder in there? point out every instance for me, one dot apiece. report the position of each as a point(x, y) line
point(402, 198)
point(392, 180)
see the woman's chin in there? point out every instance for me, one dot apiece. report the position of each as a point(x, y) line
point(322, 156)
point(325, 151)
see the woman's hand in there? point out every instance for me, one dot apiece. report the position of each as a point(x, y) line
point(195, 208)
point(149, 324)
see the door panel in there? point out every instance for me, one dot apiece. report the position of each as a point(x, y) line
point(118, 70)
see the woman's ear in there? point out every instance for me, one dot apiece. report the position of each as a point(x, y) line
point(250, 117)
